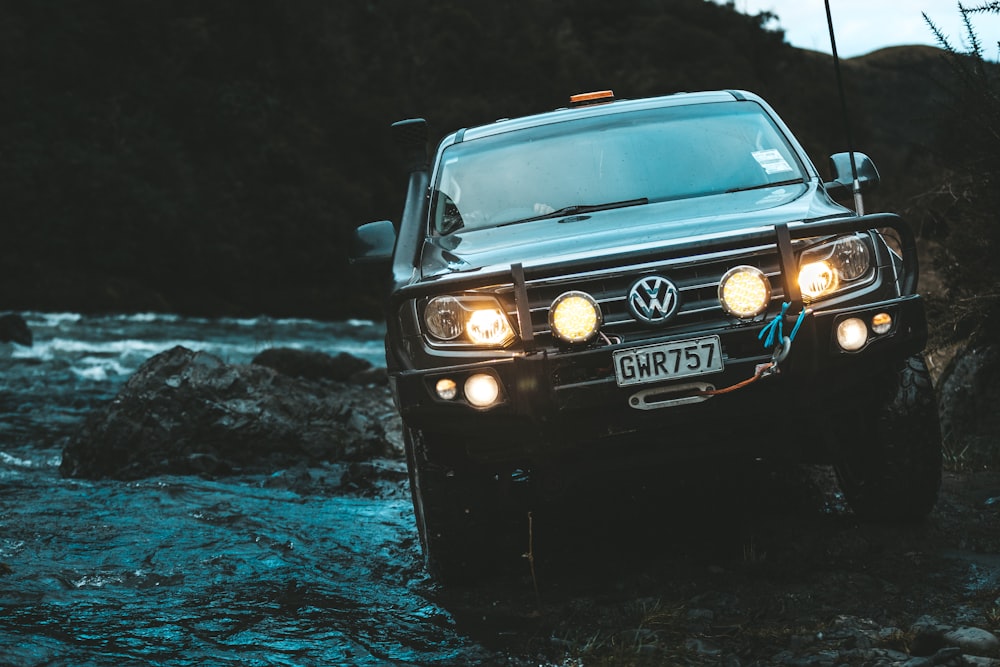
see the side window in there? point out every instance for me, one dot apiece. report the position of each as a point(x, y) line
point(447, 216)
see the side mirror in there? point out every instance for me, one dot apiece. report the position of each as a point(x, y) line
point(373, 242)
point(843, 179)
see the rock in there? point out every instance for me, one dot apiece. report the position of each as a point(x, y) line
point(702, 647)
point(376, 375)
point(975, 641)
point(968, 393)
point(948, 656)
point(928, 636)
point(13, 329)
point(820, 659)
point(371, 479)
point(186, 412)
point(312, 365)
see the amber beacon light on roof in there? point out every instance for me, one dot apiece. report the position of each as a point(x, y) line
point(597, 97)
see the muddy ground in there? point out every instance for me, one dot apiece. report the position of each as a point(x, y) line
point(752, 567)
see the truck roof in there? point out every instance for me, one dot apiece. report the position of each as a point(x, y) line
point(606, 108)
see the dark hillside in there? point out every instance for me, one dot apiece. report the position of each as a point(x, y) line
point(213, 158)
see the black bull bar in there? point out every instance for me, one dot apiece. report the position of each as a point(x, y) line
point(781, 235)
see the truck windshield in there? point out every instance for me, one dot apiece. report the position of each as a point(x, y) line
point(595, 163)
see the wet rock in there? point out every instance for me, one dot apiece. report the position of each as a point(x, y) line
point(13, 329)
point(820, 659)
point(928, 636)
point(975, 641)
point(185, 412)
point(312, 365)
point(376, 375)
point(372, 479)
point(968, 392)
point(861, 641)
point(893, 657)
point(949, 656)
point(800, 642)
point(854, 633)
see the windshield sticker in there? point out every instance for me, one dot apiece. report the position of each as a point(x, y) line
point(771, 161)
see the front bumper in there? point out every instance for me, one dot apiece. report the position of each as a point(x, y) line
point(565, 404)
point(555, 401)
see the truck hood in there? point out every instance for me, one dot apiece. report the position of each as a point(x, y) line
point(600, 233)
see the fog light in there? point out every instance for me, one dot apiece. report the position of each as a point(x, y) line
point(852, 334)
point(575, 317)
point(881, 323)
point(744, 291)
point(446, 389)
point(482, 390)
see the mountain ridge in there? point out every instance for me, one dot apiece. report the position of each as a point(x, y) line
point(213, 159)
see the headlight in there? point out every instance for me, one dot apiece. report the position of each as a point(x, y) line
point(444, 318)
point(488, 326)
point(476, 320)
point(833, 266)
point(575, 317)
point(744, 291)
point(816, 279)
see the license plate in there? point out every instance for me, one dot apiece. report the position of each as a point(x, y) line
point(668, 361)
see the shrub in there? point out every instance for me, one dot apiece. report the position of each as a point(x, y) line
point(963, 210)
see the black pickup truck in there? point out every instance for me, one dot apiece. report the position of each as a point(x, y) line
point(623, 284)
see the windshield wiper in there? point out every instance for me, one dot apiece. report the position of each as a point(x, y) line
point(577, 209)
point(791, 181)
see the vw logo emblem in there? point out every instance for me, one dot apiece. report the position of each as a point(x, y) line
point(653, 299)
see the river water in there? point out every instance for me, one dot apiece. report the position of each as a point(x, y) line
point(188, 571)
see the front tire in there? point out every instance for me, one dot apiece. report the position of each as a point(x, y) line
point(891, 470)
point(469, 526)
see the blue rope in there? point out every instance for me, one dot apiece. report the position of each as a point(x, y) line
point(798, 323)
point(774, 329)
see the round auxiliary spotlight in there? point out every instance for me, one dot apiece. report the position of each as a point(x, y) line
point(744, 291)
point(575, 317)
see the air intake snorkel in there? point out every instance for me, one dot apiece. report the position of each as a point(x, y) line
point(410, 137)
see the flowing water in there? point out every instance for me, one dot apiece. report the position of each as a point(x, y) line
point(183, 570)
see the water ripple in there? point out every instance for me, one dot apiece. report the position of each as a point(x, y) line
point(189, 571)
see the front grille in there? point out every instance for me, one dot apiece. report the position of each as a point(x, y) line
point(697, 279)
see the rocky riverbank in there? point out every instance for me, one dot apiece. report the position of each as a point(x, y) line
point(185, 412)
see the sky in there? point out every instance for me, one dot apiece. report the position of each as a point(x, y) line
point(863, 26)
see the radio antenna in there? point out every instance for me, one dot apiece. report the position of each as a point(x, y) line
point(859, 205)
